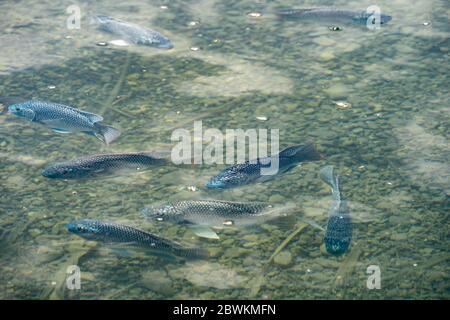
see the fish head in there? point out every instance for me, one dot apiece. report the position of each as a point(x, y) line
point(65, 171)
point(85, 228)
point(162, 213)
point(161, 42)
point(166, 44)
point(22, 111)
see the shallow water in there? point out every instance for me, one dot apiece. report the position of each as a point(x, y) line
point(391, 148)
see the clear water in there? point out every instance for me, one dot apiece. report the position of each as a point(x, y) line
point(391, 147)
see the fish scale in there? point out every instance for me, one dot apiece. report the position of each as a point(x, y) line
point(113, 233)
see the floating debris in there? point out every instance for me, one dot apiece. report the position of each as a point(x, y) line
point(343, 104)
point(194, 48)
point(192, 188)
point(426, 23)
point(334, 28)
point(51, 87)
point(262, 118)
point(254, 14)
point(164, 7)
point(193, 23)
point(102, 44)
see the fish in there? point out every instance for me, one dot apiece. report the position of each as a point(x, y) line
point(333, 15)
point(61, 118)
point(338, 233)
point(123, 236)
point(97, 165)
point(202, 215)
point(131, 32)
point(250, 171)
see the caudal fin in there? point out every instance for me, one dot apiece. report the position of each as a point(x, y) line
point(106, 133)
point(327, 175)
point(306, 152)
point(193, 253)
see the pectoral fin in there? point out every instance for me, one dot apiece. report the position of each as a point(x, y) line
point(56, 125)
point(59, 130)
point(204, 232)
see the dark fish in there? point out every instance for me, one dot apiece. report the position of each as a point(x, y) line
point(125, 236)
point(338, 233)
point(333, 15)
point(61, 118)
point(103, 165)
point(250, 171)
point(131, 32)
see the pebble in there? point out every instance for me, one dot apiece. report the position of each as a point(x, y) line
point(158, 281)
point(284, 258)
point(327, 55)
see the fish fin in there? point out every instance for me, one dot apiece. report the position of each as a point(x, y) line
point(57, 130)
point(8, 101)
point(157, 154)
point(311, 223)
point(204, 232)
point(105, 133)
point(305, 152)
point(121, 252)
point(91, 116)
point(194, 253)
point(119, 43)
point(54, 124)
point(327, 175)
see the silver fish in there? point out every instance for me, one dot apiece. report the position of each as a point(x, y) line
point(215, 214)
point(124, 236)
point(61, 118)
point(333, 15)
point(338, 234)
point(131, 32)
point(94, 166)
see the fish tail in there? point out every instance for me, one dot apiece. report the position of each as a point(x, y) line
point(193, 253)
point(307, 152)
point(106, 133)
point(327, 175)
